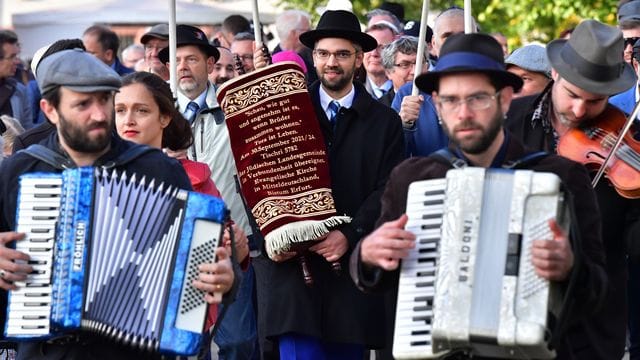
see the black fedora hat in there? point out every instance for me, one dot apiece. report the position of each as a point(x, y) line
point(338, 24)
point(462, 53)
point(191, 35)
point(592, 59)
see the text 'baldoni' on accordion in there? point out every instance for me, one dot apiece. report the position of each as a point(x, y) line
point(469, 285)
point(113, 255)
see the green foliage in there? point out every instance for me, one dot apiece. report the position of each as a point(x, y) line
point(522, 21)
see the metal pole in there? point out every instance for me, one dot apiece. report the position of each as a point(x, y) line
point(468, 18)
point(257, 31)
point(421, 45)
point(172, 49)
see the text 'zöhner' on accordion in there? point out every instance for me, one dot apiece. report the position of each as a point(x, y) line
point(469, 285)
point(114, 255)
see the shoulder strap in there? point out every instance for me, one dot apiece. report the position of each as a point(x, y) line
point(48, 156)
point(526, 160)
point(60, 162)
point(128, 156)
point(445, 155)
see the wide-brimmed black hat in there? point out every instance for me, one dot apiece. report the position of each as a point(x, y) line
point(339, 24)
point(191, 35)
point(478, 53)
point(592, 59)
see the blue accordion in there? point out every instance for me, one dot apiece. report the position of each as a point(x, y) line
point(114, 255)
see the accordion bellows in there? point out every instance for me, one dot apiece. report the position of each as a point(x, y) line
point(113, 255)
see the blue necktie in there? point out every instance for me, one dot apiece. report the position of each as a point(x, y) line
point(192, 111)
point(334, 107)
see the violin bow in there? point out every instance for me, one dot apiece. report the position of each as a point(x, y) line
point(625, 129)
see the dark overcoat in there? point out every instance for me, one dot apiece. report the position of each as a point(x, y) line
point(587, 281)
point(603, 335)
point(366, 145)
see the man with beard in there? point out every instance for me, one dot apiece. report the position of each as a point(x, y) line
point(586, 70)
point(223, 69)
point(195, 59)
point(332, 319)
point(77, 97)
point(472, 90)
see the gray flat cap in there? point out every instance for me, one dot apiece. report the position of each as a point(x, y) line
point(629, 11)
point(76, 70)
point(531, 58)
point(160, 31)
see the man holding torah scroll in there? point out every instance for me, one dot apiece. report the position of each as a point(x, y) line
point(362, 141)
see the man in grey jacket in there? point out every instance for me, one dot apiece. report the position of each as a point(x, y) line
point(195, 59)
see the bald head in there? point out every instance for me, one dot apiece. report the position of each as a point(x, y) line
point(449, 22)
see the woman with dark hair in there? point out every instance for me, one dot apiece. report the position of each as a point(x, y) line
point(146, 114)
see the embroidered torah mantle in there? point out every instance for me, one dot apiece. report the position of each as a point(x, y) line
point(280, 155)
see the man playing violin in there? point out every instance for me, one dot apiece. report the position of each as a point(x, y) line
point(586, 70)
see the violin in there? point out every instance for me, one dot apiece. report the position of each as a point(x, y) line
point(592, 146)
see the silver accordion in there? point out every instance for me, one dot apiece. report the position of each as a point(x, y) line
point(469, 285)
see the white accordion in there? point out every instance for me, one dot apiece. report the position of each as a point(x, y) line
point(469, 285)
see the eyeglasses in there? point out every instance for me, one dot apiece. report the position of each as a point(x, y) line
point(340, 55)
point(245, 57)
point(451, 104)
point(405, 65)
point(630, 41)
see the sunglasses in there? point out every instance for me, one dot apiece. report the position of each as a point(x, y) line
point(630, 41)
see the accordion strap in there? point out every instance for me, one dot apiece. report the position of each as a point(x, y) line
point(61, 162)
point(458, 163)
point(49, 156)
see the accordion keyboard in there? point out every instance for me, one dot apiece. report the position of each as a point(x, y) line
point(412, 333)
point(38, 211)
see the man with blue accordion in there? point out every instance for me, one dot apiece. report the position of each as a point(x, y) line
point(78, 95)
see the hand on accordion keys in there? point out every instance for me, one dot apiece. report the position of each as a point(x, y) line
point(387, 245)
point(553, 258)
point(215, 278)
point(13, 263)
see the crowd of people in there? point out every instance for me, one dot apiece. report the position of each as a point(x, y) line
point(478, 102)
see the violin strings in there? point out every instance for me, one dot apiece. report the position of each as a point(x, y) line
point(625, 152)
point(628, 155)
